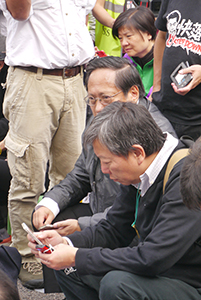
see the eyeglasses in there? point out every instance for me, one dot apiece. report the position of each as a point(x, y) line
point(104, 99)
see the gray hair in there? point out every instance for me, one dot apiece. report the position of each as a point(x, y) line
point(121, 125)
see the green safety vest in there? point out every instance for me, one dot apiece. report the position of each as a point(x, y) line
point(103, 35)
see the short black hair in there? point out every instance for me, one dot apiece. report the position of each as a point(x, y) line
point(141, 18)
point(190, 177)
point(126, 74)
point(8, 290)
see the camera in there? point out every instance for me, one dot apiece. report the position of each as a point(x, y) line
point(181, 80)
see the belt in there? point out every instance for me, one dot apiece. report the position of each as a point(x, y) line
point(65, 72)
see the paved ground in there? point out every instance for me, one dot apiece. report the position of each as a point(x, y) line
point(26, 294)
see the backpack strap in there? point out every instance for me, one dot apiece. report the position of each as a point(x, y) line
point(175, 158)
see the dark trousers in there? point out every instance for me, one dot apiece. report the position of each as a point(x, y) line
point(73, 212)
point(117, 285)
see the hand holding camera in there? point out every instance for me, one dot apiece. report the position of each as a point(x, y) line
point(195, 72)
point(181, 80)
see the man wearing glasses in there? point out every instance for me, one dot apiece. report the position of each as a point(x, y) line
point(99, 262)
point(108, 79)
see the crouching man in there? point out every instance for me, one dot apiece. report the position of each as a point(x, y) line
point(167, 260)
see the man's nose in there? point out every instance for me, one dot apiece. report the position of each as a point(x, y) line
point(98, 106)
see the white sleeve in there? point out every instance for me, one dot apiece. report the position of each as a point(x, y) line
point(49, 203)
point(68, 241)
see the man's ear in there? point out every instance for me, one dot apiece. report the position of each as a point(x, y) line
point(139, 153)
point(133, 94)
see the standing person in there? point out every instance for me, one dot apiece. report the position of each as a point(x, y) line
point(136, 31)
point(166, 262)
point(106, 11)
point(178, 40)
point(47, 46)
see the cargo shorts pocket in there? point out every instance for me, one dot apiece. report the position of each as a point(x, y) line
point(19, 161)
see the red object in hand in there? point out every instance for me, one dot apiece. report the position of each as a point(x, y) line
point(44, 249)
point(101, 53)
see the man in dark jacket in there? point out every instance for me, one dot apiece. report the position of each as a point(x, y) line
point(110, 79)
point(107, 79)
point(167, 260)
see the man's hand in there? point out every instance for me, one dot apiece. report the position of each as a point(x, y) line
point(46, 237)
point(42, 216)
point(67, 227)
point(195, 70)
point(62, 257)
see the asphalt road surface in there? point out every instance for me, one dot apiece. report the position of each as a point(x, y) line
point(26, 294)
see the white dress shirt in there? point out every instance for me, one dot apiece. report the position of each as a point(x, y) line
point(54, 35)
point(151, 173)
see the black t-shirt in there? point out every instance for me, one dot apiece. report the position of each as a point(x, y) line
point(182, 21)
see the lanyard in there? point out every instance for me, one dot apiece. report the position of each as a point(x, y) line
point(136, 209)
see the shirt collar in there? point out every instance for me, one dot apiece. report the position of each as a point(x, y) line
point(151, 173)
